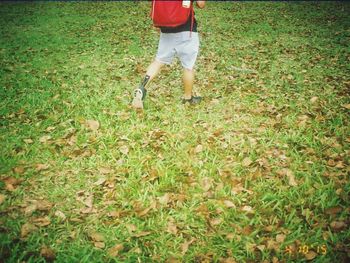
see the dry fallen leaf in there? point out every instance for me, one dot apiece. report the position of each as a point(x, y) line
point(333, 210)
point(131, 228)
point(199, 148)
point(97, 237)
point(92, 125)
point(215, 221)
point(171, 227)
point(164, 200)
point(347, 106)
point(338, 225)
point(124, 149)
point(42, 221)
point(60, 215)
point(11, 183)
point(229, 204)
point(248, 209)
point(228, 260)
point(30, 209)
point(48, 254)
point(290, 176)
point(18, 170)
point(230, 236)
point(2, 198)
point(45, 138)
point(185, 246)
point(29, 141)
point(280, 238)
point(247, 162)
point(273, 245)
point(310, 255)
point(41, 167)
point(26, 229)
point(114, 251)
point(313, 100)
point(99, 244)
point(207, 183)
point(142, 234)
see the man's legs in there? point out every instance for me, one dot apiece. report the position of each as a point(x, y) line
point(188, 78)
point(140, 93)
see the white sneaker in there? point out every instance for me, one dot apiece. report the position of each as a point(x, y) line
point(137, 102)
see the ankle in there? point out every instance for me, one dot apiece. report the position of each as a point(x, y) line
point(187, 97)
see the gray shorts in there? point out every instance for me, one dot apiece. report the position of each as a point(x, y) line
point(182, 44)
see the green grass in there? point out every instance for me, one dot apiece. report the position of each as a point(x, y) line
point(63, 63)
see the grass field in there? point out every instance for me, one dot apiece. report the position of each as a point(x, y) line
point(258, 172)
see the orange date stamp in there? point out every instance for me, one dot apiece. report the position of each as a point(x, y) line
point(305, 249)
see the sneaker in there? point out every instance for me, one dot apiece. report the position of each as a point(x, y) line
point(139, 96)
point(193, 100)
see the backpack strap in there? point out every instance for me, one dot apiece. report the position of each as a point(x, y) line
point(192, 18)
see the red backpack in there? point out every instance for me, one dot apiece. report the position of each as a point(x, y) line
point(171, 13)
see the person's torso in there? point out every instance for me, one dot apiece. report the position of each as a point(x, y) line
point(182, 28)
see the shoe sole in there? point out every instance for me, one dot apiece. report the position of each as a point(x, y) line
point(137, 102)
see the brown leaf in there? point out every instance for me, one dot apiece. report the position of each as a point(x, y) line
point(171, 227)
point(228, 260)
point(105, 170)
point(47, 253)
point(2, 198)
point(96, 237)
point(247, 230)
point(99, 244)
point(290, 175)
point(261, 248)
point(199, 148)
point(164, 200)
point(248, 209)
point(124, 149)
point(333, 210)
point(310, 255)
point(92, 125)
point(280, 238)
point(45, 138)
point(215, 221)
point(60, 215)
point(142, 234)
point(338, 225)
point(88, 201)
point(43, 205)
point(185, 246)
point(114, 251)
point(313, 100)
point(18, 170)
point(29, 141)
point(230, 236)
point(26, 229)
point(100, 181)
point(347, 106)
point(41, 167)
point(42, 221)
point(229, 204)
point(131, 228)
point(11, 183)
point(30, 209)
point(115, 214)
point(247, 162)
point(273, 245)
point(207, 183)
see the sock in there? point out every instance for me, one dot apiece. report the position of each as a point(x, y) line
point(144, 82)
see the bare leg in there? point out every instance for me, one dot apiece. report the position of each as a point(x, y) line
point(140, 93)
point(153, 70)
point(188, 79)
